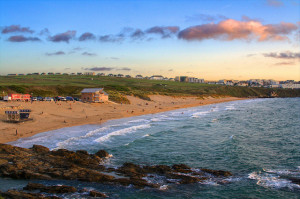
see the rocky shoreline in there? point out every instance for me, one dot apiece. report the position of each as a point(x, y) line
point(39, 163)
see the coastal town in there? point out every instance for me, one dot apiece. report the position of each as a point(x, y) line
point(266, 83)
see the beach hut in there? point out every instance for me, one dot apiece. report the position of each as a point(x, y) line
point(17, 115)
point(94, 95)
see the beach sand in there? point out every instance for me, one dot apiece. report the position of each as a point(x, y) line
point(50, 115)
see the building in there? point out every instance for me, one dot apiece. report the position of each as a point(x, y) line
point(94, 95)
point(139, 76)
point(12, 74)
point(17, 116)
point(120, 75)
point(156, 77)
point(17, 97)
point(89, 73)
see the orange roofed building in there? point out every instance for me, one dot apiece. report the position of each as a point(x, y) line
point(94, 95)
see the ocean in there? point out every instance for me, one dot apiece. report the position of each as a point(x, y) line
point(258, 140)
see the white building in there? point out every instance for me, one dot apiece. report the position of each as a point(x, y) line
point(156, 77)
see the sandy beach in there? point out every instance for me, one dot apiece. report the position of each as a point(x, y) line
point(50, 115)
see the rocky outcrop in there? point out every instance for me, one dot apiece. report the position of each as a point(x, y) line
point(15, 194)
point(40, 163)
point(50, 189)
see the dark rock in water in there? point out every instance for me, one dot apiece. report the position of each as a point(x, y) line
point(217, 172)
point(40, 149)
point(50, 189)
point(294, 180)
point(40, 163)
point(102, 154)
point(14, 194)
point(159, 169)
point(97, 194)
point(131, 170)
point(181, 168)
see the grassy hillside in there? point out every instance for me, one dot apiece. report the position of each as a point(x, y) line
point(118, 87)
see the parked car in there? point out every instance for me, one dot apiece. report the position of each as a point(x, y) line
point(76, 99)
point(62, 99)
point(68, 98)
point(48, 99)
point(34, 99)
point(39, 98)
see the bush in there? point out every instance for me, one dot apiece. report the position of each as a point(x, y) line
point(118, 97)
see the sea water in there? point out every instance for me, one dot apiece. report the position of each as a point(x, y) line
point(258, 140)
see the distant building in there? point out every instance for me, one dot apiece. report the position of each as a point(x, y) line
point(72, 73)
point(17, 97)
point(110, 75)
point(65, 74)
point(79, 74)
point(21, 74)
point(12, 74)
point(57, 73)
point(120, 75)
point(50, 73)
point(89, 73)
point(35, 73)
point(128, 76)
point(101, 74)
point(139, 76)
point(43, 73)
point(156, 77)
point(94, 95)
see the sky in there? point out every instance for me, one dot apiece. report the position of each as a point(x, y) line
point(210, 39)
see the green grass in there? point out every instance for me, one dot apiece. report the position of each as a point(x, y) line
point(118, 88)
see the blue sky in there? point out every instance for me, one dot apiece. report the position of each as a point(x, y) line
point(205, 39)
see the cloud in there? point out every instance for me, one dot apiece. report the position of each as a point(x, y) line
point(250, 55)
point(114, 58)
point(89, 54)
point(77, 49)
point(164, 31)
point(170, 70)
point(231, 29)
point(284, 63)
point(67, 68)
point(283, 55)
point(87, 36)
point(99, 69)
point(111, 38)
point(56, 53)
point(274, 3)
point(124, 68)
point(63, 37)
point(204, 17)
point(138, 34)
point(16, 28)
point(45, 31)
point(21, 38)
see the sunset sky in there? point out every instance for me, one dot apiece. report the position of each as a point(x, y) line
point(210, 39)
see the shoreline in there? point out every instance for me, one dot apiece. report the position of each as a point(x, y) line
point(49, 116)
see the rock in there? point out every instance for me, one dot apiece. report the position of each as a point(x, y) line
point(217, 172)
point(50, 189)
point(102, 154)
point(97, 194)
point(14, 194)
point(158, 169)
point(131, 170)
point(181, 168)
point(40, 149)
point(294, 180)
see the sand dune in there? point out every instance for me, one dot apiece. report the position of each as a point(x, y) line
point(50, 115)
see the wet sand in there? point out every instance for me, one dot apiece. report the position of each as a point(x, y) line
point(50, 115)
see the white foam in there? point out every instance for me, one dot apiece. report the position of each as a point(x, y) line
point(271, 180)
point(146, 135)
point(199, 114)
point(122, 132)
point(229, 107)
point(64, 143)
